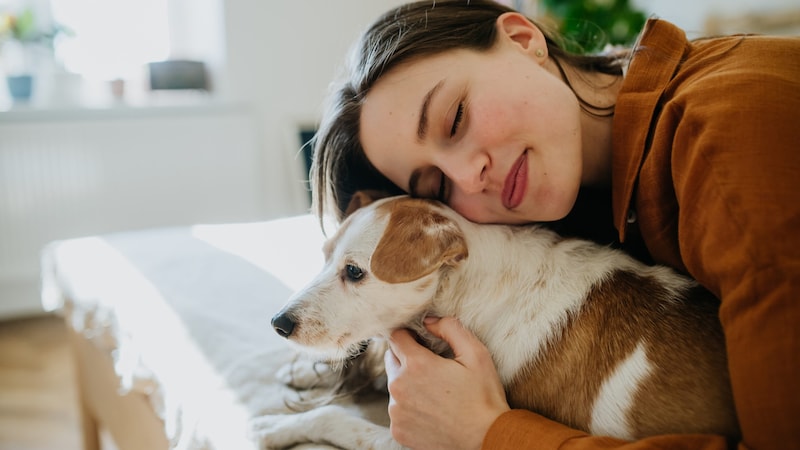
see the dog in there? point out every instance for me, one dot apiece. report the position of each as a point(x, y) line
point(580, 333)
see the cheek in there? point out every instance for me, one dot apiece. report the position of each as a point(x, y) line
point(494, 120)
point(475, 209)
point(468, 207)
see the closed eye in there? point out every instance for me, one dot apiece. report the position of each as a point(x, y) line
point(457, 119)
point(441, 195)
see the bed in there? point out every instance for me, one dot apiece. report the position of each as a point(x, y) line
point(171, 332)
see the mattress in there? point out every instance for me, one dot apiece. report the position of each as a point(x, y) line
point(184, 314)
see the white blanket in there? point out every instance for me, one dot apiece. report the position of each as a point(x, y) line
point(185, 312)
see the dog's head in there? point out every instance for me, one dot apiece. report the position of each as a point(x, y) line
point(382, 268)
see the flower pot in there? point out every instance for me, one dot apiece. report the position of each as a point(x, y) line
point(20, 87)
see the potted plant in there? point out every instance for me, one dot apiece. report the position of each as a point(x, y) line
point(21, 39)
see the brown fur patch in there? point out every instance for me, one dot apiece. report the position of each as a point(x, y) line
point(363, 198)
point(616, 316)
point(417, 241)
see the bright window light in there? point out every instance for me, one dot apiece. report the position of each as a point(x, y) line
point(113, 39)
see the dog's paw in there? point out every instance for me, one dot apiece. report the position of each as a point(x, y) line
point(304, 374)
point(329, 424)
point(277, 431)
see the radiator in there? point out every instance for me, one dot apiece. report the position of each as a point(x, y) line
point(63, 177)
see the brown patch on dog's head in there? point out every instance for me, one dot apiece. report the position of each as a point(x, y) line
point(417, 241)
point(363, 198)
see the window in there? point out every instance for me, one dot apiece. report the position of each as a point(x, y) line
point(112, 39)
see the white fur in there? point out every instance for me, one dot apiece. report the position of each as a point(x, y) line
point(329, 424)
point(616, 395)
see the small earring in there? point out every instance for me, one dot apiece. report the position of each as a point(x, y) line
point(539, 53)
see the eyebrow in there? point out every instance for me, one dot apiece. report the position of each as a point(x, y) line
point(422, 126)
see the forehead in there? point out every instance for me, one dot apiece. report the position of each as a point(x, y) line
point(403, 88)
point(397, 96)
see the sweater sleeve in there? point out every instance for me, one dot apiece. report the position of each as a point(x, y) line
point(521, 429)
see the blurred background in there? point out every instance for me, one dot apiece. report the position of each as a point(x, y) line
point(118, 115)
point(126, 114)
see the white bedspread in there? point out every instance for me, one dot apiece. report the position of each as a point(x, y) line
point(185, 312)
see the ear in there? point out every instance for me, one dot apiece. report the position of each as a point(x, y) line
point(516, 29)
point(363, 198)
point(416, 242)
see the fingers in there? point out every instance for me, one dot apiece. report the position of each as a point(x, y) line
point(467, 348)
point(403, 345)
point(391, 363)
point(464, 344)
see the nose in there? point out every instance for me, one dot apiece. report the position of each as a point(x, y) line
point(283, 324)
point(469, 172)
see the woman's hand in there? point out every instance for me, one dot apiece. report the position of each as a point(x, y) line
point(437, 402)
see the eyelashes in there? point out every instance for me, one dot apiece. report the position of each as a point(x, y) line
point(440, 195)
point(457, 120)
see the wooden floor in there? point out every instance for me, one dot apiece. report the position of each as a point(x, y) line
point(38, 400)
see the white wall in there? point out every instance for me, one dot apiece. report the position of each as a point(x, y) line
point(282, 56)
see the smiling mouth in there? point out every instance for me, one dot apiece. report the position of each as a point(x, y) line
point(516, 182)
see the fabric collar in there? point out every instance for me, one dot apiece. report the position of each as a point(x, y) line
point(655, 60)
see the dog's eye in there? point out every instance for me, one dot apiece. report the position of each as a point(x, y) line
point(353, 272)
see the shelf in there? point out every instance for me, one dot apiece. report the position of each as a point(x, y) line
point(195, 107)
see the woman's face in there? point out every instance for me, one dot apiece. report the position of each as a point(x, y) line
point(493, 134)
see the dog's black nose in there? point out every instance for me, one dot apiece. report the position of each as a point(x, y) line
point(283, 324)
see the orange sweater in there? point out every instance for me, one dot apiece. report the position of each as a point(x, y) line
point(706, 170)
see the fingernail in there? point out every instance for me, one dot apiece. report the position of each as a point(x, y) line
point(430, 319)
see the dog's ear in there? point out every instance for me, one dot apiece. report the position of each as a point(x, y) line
point(363, 198)
point(417, 241)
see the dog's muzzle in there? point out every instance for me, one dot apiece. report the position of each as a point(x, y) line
point(283, 324)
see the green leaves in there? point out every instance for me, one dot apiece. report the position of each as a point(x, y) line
point(589, 25)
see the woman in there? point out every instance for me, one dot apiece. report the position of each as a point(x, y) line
point(683, 153)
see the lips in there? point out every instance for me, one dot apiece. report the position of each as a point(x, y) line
point(516, 182)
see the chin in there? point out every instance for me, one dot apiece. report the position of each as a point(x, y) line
point(548, 215)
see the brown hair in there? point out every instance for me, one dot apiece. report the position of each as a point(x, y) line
point(414, 30)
